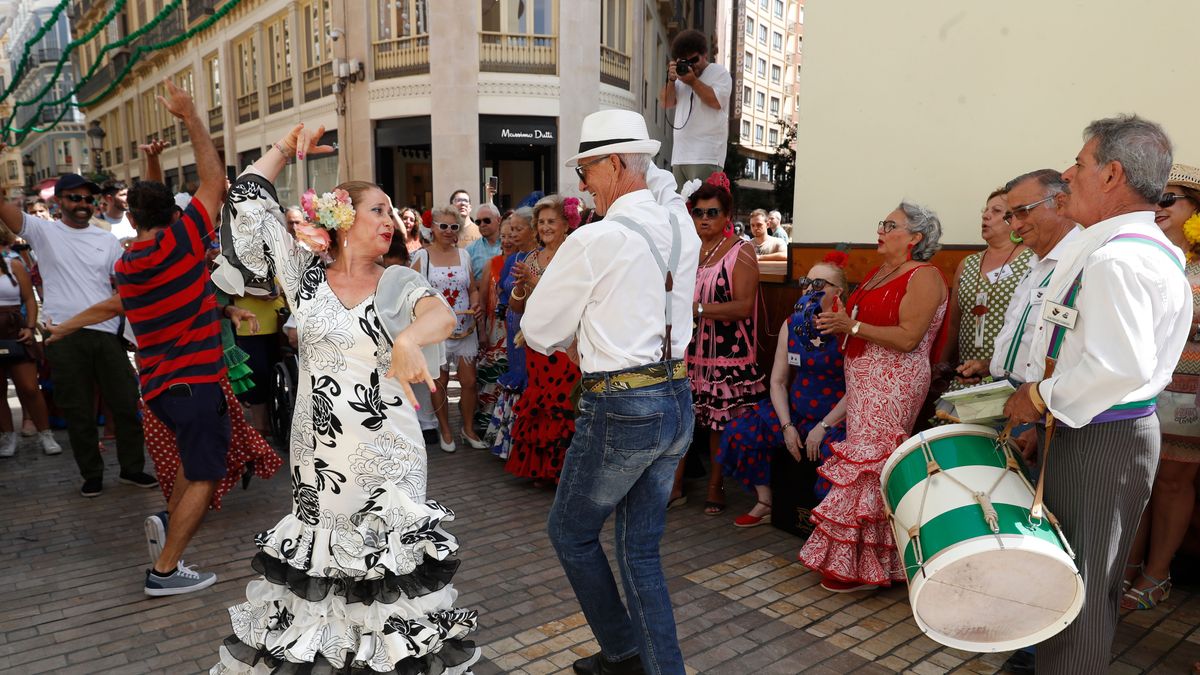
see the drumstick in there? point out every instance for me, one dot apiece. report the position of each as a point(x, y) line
point(1035, 511)
point(946, 417)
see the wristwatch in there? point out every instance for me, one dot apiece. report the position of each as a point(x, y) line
point(824, 426)
point(699, 309)
point(855, 327)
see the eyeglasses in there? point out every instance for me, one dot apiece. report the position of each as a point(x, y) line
point(453, 227)
point(1168, 200)
point(87, 199)
point(580, 169)
point(485, 221)
point(705, 213)
point(817, 284)
point(461, 200)
point(1022, 211)
point(885, 226)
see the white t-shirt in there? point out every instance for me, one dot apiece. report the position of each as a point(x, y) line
point(76, 267)
point(121, 228)
point(705, 135)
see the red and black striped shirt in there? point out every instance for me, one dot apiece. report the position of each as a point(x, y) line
point(171, 304)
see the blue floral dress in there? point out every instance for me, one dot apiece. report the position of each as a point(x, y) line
point(513, 382)
point(356, 577)
point(750, 439)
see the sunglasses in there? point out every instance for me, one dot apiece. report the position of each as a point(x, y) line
point(1168, 200)
point(581, 170)
point(705, 213)
point(453, 227)
point(817, 284)
point(885, 226)
point(1022, 211)
point(485, 221)
point(87, 199)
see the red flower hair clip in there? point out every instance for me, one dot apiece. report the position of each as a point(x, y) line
point(571, 213)
point(837, 259)
point(719, 179)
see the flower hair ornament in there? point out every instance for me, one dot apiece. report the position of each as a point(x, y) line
point(689, 188)
point(836, 258)
point(720, 180)
point(324, 214)
point(1191, 231)
point(571, 212)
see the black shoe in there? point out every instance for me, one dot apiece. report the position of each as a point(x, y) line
point(1021, 662)
point(92, 487)
point(140, 479)
point(596, 664)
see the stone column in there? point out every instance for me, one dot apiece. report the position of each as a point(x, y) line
point(454, 27)
point(355, 135)
point(579, 80)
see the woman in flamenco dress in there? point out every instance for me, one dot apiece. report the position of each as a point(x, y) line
point(892, 320)
point(356, 578)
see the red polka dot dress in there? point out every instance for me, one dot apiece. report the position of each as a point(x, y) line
point(246, 445)
point(544, 417)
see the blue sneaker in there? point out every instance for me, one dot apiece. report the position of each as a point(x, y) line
point(182, 580)
point(156, 535)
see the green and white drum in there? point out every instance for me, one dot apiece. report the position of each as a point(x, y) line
point(983, 576)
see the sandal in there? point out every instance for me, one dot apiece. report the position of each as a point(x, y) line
point(1129, 581)
point(677, 501)
point(712, 507)
point(1147, 598)
point(749, 520)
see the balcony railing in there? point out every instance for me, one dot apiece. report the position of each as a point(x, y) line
point(104, 76)
point(216, 119)
point(168, 28)
point(199, 9)
point(518, 53)
point(318, 81)
point(614, 68)
point(247, 107)
point(401, 56)
point(279, 96)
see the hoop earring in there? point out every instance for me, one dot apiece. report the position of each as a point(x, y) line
point(728, 229)
point(1015, 238)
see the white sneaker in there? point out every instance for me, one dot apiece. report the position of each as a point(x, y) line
point(8, 443)
point(49, 445)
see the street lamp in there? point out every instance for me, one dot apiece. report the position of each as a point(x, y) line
point(29, 165)
point(96, 138)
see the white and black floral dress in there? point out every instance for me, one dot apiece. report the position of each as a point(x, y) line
point(356, 579)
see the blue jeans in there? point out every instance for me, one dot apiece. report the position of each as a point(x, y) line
point(623, 458)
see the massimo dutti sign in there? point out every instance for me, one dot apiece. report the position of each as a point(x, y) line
point(518, 130)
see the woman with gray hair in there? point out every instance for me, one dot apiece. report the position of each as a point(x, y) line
point(889, 324)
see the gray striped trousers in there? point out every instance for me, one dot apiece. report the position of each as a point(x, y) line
point(1098, 480)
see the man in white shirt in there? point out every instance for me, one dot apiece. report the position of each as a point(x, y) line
point(607, 292)
point(1116, 314)
point(700, 97)
point(76, 260)
point(114, 217)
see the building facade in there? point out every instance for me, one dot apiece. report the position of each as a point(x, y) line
point(63, 148)
point(422, 96)
point(760, 42)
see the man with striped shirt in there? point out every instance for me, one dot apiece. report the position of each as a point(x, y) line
point(170, 303)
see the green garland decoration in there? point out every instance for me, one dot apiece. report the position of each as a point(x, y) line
point(37, 37)
point(140, 50)
point(66, 54)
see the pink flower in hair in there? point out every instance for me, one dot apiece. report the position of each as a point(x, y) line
point(308, 203)
point(312, 237)
point(571, 211)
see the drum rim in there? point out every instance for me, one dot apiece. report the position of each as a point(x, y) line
point(914, 441)
point(974, 546)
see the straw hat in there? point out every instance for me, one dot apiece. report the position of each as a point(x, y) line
point(1184, 176)
point(614, 132)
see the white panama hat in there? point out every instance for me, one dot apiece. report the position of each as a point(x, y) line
point(614, 132)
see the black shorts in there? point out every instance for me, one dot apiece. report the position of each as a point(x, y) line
point(198, 415)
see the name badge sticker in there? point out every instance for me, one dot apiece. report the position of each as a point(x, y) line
point(1039, 294)
point(794, 359)
point(1060, 315)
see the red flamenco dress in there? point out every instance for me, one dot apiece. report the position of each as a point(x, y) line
point(544, 417)
point(852, 541)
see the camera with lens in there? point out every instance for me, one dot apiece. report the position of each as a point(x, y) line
point(683, 67)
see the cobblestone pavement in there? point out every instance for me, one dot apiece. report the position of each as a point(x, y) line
point(71, 596)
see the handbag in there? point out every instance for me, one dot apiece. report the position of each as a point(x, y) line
point(13, 351)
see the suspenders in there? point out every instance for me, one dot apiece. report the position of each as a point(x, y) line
point(666, 267)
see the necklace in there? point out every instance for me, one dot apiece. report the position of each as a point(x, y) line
point(710, 253)
point(980, 310)
point(872, 284)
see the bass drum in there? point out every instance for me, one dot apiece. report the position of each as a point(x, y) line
point(983, 575)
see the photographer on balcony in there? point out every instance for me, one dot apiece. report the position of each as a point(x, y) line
point(699, 93)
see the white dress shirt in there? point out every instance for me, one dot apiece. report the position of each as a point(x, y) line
point(605, 287)
point(1010, 351)
point(1134, 317)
